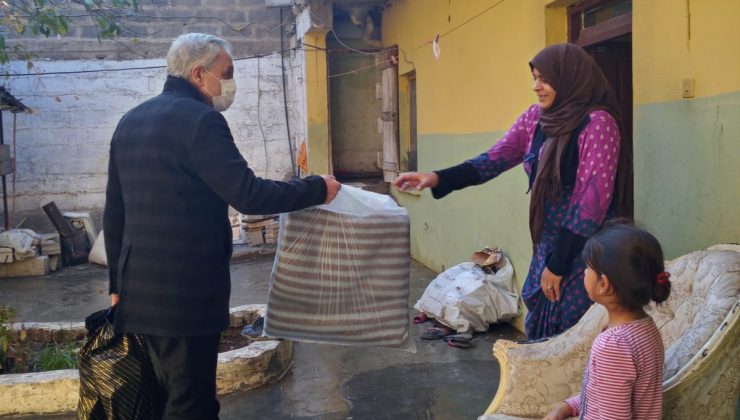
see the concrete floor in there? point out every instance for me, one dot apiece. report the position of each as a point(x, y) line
point(326, 382)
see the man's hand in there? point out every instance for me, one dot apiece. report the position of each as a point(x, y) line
point(114, 299)
point(550, 284)
point(416, 180)
point(332, 188)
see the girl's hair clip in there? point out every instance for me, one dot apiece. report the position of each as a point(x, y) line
point(662, 278)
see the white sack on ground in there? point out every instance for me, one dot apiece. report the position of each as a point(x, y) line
point(341, 273)
point(465, 297)
point(19, 239)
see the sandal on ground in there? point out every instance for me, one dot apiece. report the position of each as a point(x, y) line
point(435, 333)
point(459, 344)
point(462, 337)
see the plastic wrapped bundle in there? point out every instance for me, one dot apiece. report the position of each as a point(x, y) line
point(341, 273)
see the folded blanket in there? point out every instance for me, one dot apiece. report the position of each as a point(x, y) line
point(342, 278)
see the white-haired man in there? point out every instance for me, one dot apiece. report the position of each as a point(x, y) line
point(173, 172)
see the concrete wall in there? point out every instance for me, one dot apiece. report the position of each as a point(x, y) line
point(79, 95)
point(247, 24)
point(62, 151)
point(687, 150)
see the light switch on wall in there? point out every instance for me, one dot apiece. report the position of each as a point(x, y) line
point(688, 87)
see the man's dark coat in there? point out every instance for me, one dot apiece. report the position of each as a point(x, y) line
point(173, 172)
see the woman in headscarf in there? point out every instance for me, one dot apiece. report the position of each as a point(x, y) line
point(569, 143)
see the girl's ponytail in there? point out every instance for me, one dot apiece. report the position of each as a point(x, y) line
point(662, 287)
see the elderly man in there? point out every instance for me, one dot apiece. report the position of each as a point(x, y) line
point(173, 172)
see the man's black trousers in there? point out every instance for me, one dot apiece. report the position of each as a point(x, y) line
point(186, 370)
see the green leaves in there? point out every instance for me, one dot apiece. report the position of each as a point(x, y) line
point(13, 350)
point(51, 17)
point(59, 356)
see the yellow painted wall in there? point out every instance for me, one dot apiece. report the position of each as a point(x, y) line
point(317, 104)
point(465, 101)
point(687, 150)
point(674, 40)
point(481, 81)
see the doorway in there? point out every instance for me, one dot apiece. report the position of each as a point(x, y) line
point(604, 29)
point(354, 105)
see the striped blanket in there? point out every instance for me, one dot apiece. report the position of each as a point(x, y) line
point(341, 279)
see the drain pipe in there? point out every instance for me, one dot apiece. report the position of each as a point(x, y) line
point(285, 96)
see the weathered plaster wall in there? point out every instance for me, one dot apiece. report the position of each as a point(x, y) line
point(62, 151)
point(687, 150)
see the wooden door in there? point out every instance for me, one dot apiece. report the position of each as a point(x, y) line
point(604, 29)
point(388, 120)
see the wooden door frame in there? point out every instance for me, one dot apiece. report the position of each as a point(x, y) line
point(613, 28)
point(600, 33)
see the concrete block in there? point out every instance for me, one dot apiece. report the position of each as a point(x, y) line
point(43, 392)
point(38, 266)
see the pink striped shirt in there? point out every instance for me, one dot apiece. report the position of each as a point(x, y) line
point(624, 375)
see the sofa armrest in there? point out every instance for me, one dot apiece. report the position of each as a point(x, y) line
point(535, 376)
point(708, 386)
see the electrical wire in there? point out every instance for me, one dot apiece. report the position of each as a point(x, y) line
point(285, 98)
point(355, 71)
point(259, 119)
point(333, 32)
point(283, 51)
point(15, 170)
point(484, 11)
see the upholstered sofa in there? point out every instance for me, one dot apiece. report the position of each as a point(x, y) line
point(700, 330)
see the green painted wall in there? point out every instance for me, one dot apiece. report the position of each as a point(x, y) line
point(687, 171)
point(446, 232)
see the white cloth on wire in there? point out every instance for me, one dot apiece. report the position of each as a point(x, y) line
point(341, 273)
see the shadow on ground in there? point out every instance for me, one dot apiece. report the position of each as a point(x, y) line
point(325, 382)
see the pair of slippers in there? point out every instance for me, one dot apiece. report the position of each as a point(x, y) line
point(449, 336)
point(437, 332)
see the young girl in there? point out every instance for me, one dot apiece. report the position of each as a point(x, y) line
point(624, 374)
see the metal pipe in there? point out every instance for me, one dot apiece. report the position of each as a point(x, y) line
point(5, 190)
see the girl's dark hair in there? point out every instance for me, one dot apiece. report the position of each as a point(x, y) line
point(632, 259)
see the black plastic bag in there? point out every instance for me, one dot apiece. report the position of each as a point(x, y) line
point(117, 380)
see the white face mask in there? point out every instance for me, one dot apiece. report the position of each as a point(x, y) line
point(228, 89)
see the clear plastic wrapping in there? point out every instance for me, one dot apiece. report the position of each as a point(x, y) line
point(341, 273)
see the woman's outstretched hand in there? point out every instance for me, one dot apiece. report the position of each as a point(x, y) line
point(416, 180)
